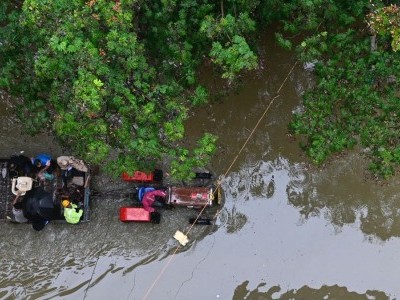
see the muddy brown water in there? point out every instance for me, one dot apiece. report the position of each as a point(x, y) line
point(287, 230)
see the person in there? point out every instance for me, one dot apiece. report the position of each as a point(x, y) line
point(44, 165)
point(71, 167)
point(149, 198)
point(71, 212)
point(38, 207)
point(17, 210)
point(20, 165)
point(69, 162)
point(42, 161)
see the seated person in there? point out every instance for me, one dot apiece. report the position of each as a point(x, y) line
point(68, 162)
point(17, 210)
point(71, 167)
point(38, 207)
point(20, 165)
point(71, 212)
point(149, 199)
point(44, 166)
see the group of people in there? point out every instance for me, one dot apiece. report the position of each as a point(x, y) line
point(43, 167)
point(40, 167)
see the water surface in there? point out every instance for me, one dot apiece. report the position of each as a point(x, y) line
point(287, 229)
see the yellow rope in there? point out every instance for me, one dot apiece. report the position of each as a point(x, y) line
point(219, 181)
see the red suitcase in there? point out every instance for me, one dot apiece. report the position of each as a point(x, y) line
point(138, 176)
point(134, 214)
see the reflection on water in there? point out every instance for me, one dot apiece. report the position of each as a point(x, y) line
point(75, 261)
point(344, 197)
point(266, 239)
point(233, 220)
point(286, 229)
point(305, 292)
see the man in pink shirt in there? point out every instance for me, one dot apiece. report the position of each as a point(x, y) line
point(150, 197)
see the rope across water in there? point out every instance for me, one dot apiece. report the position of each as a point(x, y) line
point(220, 182)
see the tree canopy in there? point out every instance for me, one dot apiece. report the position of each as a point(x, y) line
point(115, 80)
point(356, 98)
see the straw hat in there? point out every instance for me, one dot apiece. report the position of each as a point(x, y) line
point(63, 162)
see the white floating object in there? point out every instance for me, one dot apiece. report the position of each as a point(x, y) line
point(4, 172)
point(20, 185)
point(181, 238)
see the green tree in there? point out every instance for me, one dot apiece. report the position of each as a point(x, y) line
point(114, 80)
point(385, 20)
point(120, 76)
point(355, 99)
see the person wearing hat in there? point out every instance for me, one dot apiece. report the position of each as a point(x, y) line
point(71, 212)
point(66, 169)
point(70, 167)
point(69, 162)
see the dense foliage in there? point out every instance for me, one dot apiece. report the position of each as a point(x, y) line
point(114, 80)
point(356, 98)
point(385, 20)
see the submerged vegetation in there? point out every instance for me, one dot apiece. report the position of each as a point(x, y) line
point(122, 75)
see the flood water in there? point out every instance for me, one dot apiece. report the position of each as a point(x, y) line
point(287, 230)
